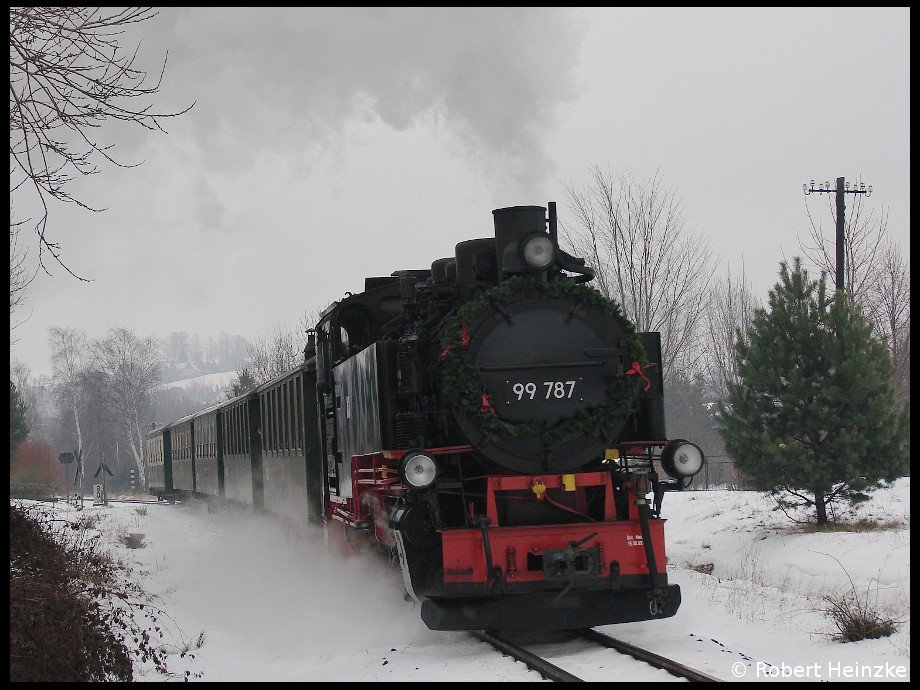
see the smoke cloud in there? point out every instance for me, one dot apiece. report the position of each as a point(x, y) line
point(294, 78)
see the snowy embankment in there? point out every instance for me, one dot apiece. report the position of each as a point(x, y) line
point(761, 607)
point(267, 602)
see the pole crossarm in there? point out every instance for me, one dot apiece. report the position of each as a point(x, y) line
point(842, 188)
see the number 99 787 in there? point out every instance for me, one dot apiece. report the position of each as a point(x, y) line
point(562, 390)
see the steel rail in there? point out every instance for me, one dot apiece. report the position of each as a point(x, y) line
point(532, 661)
point(673, 667)
point(552, 672)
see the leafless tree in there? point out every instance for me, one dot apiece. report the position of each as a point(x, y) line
point(29, 387)
point(69, 74)
point(633, 231)
point(129, 367)
point(273, 352)
point(888, 304)
point(175, 347)
point(731, 306)
point(20, 276)
point(876, 276)
point(865, 236)
point(69, 362)
point(278, 349)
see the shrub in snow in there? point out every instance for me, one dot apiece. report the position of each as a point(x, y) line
point(857, 618)
point(72, 615)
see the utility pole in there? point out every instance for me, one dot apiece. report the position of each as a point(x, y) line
point(843, 187)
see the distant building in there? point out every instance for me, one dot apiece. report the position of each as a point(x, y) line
point(186, 370)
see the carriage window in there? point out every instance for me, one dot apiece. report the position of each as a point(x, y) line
point(289, 396)
point(354, 323)
point(286, 416)
point(292, 415)
point(269, 421)
point(272, 436)
point(244, 426)
point(237, 445)
point(279, 420)
point(285, 394)
point(298, 413)
point(266, 420)
point(276, 421)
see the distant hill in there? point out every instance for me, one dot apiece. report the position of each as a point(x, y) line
point(221, 379)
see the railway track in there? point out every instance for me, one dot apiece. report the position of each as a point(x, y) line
point(551, 671)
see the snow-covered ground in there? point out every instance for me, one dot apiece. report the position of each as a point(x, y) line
point(267, 602)
point(221, 379)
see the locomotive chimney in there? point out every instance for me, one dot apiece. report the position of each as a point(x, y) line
point(511, 226)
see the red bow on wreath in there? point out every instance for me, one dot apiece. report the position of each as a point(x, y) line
point(636, 369)
point(464, 340)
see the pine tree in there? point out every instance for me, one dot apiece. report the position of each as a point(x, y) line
point(18, 427)
point(245, 381)
point(813, 419)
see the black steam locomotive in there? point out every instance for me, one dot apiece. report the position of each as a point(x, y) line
point(494, 420)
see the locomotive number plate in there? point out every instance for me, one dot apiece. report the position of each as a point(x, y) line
point(548, 390)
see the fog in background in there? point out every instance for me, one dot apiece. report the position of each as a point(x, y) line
point(327, 145)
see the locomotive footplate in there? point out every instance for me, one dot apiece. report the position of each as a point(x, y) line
point(545, 610)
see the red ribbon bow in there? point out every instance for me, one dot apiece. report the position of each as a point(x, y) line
point(464, 340)
point(636, 369)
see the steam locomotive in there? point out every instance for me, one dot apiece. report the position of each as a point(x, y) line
point(494, 420)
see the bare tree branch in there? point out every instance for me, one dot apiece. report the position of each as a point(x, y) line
point(889, 307)
point(20, 275)
point(732, 303)
point(646, 257)
point(865, 237)
point(278, 350)
point(876, 276)
point(274, 352)
point(69, 75)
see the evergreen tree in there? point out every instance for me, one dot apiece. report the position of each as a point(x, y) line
point(18, 427)
point(245, 381)
point(813, 419)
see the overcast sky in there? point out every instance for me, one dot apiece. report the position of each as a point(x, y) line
point(327, 145)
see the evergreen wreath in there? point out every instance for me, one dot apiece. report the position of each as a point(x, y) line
point(461, 385)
